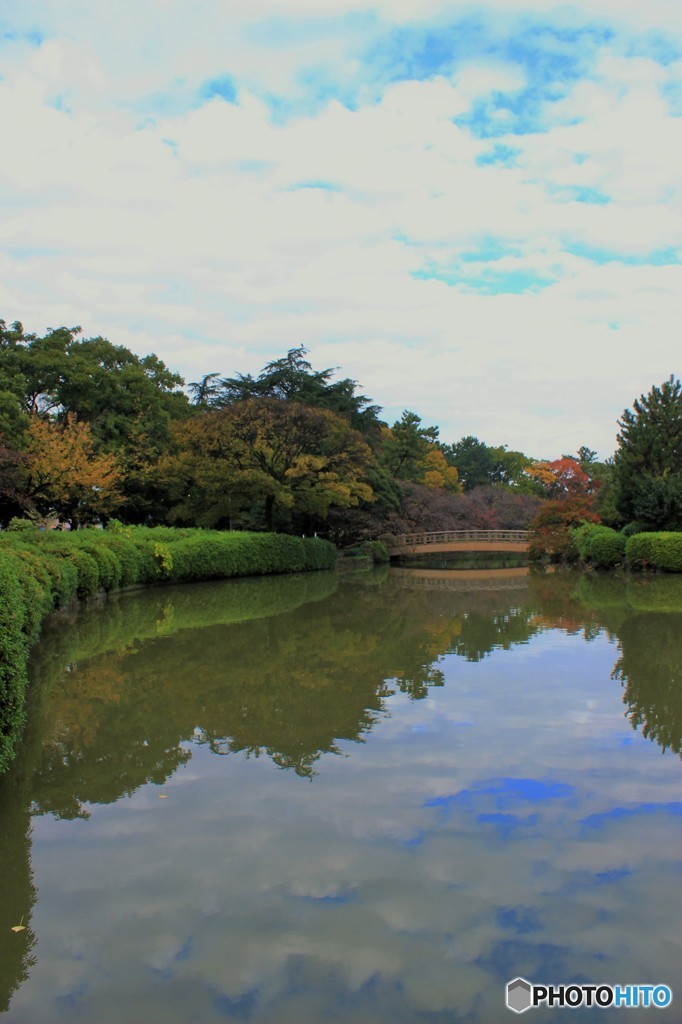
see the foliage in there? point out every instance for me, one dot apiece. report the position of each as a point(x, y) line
point(13, 657)
point(550, 530)
point(484, 508)
point(65, 475)
point(290, 379)
point(43, 570)
point(128, 402)
point(648, 460)
point(409, 452)
point(655, 551)
point(288, 456)
point(377, 551)
point(562, 478)
point(13, 498)
point(480, 465)
point(599, 545)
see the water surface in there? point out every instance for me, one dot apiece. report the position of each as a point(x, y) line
point(364, 799)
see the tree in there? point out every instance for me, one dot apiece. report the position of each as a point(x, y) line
point(412, 453)
point(549, 535)
point(206, 391)
point(293, 379)
point(64, 474)
point(129, 402)
point(475, 462)
point(648, 459)
point(562, 478)
point(282, 454)
point(13, 498)
point(480, 465)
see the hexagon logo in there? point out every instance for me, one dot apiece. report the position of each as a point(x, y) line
point(519, 995)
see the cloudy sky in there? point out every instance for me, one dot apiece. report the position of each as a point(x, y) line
point(474, 210)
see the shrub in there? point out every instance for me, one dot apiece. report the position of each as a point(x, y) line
point(600, 545)
point(377, 551)
point(13, 656)
point(42, 570)
point(632, 528)
point(655, 551)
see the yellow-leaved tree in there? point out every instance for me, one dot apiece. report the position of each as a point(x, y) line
point(266, 451)
point(66, 476)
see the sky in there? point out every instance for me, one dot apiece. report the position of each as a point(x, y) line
point(473, 210)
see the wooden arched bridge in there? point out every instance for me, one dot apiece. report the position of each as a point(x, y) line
point(457, 540)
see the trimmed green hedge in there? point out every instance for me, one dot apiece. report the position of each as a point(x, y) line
point(600, 545)
point(41, 571)
point(655, 551)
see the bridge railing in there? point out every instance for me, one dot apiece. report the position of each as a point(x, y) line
point(450, 536)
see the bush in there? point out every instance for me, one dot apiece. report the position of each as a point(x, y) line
point(632, 528)
point(13, 656)
point(377, 551)
point(42, 570)
point(655, 551)
point(600, 545)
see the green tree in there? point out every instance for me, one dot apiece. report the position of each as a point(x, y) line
point(406, 446)
point(474, 460)
point(480, 465)
point(648, 460)
point(128, 401)
point(264, 450)
point(293, 379)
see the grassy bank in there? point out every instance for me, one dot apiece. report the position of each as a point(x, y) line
point(42, 571)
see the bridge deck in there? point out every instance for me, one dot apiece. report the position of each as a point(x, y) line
point(442, 541)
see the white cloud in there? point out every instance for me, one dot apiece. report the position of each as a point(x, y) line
point(208, 235)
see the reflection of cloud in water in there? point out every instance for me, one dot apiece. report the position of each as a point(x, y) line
point(407, 882)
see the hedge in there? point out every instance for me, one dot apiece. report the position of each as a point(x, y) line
point(41, 571)
point(655, 551)
point(600, 545)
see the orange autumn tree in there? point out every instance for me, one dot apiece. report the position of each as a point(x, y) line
point(562, 479)
point(66, 476)
point(571, 501)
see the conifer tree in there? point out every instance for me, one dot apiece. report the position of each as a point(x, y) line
point(648, 461)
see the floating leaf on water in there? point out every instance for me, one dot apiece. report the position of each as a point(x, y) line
point(163, 796)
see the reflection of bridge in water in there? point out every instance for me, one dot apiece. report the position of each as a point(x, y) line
point(443, 541)
point(463, 579)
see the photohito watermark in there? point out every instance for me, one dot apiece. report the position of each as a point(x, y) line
point(522, 995)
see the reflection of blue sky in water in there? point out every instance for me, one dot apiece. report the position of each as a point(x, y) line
point(405, 883)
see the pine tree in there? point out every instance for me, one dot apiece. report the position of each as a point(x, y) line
point(648, 462)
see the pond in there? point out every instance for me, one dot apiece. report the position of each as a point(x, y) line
point(366, 798)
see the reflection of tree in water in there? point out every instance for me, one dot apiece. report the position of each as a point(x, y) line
point(18, 890)
point(650, 671)
point(483, 633)
point(289, 686)
point(126, 687)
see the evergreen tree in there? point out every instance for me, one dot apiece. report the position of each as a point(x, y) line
point(648, 462)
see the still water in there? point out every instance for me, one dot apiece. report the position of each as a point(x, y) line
point(370, 799)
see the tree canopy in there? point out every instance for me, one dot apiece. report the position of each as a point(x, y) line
point(289, 456)
point(648, 460)
point(89, 429)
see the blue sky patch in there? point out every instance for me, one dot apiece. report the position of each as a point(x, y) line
point(324, 186)
point(506, 794)
point(657, 258)
point(222, 87)
point(499, 154)
point(674, 809)
point(488, 250)
point(522, 920)
point(579, 194)
point(488, 282)
point(32, 36)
